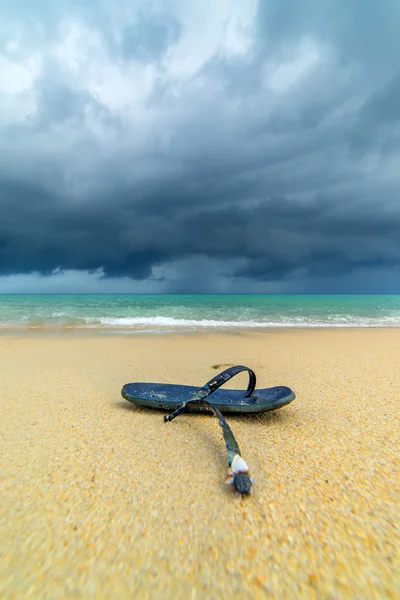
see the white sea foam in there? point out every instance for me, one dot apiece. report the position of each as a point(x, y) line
point(170, 322)
point(286, 322)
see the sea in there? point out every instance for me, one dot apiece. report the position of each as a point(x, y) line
point(163, 313)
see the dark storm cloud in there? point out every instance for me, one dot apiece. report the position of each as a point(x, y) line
point(269, 240)
point(275, 159)
point(377, 120)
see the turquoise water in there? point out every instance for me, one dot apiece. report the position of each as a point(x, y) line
point(161, 313)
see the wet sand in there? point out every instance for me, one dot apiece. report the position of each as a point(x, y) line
point(100, 499)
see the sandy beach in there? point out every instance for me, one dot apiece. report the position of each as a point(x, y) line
point(100, 499)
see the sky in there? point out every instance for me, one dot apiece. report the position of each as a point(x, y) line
point(185, 146)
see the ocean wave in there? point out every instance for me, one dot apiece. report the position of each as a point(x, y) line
point(165, 323)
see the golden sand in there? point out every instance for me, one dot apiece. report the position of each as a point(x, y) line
point(100, 499)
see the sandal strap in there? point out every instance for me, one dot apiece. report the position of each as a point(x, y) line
point(216, 382)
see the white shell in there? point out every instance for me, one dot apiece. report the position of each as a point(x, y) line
point(238, 465)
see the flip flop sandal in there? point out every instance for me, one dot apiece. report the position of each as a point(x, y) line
point(169, 397)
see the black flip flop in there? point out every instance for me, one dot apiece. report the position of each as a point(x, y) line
point(169, 397)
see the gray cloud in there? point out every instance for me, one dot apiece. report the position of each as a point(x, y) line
point(258, 147)
point(148, 38)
